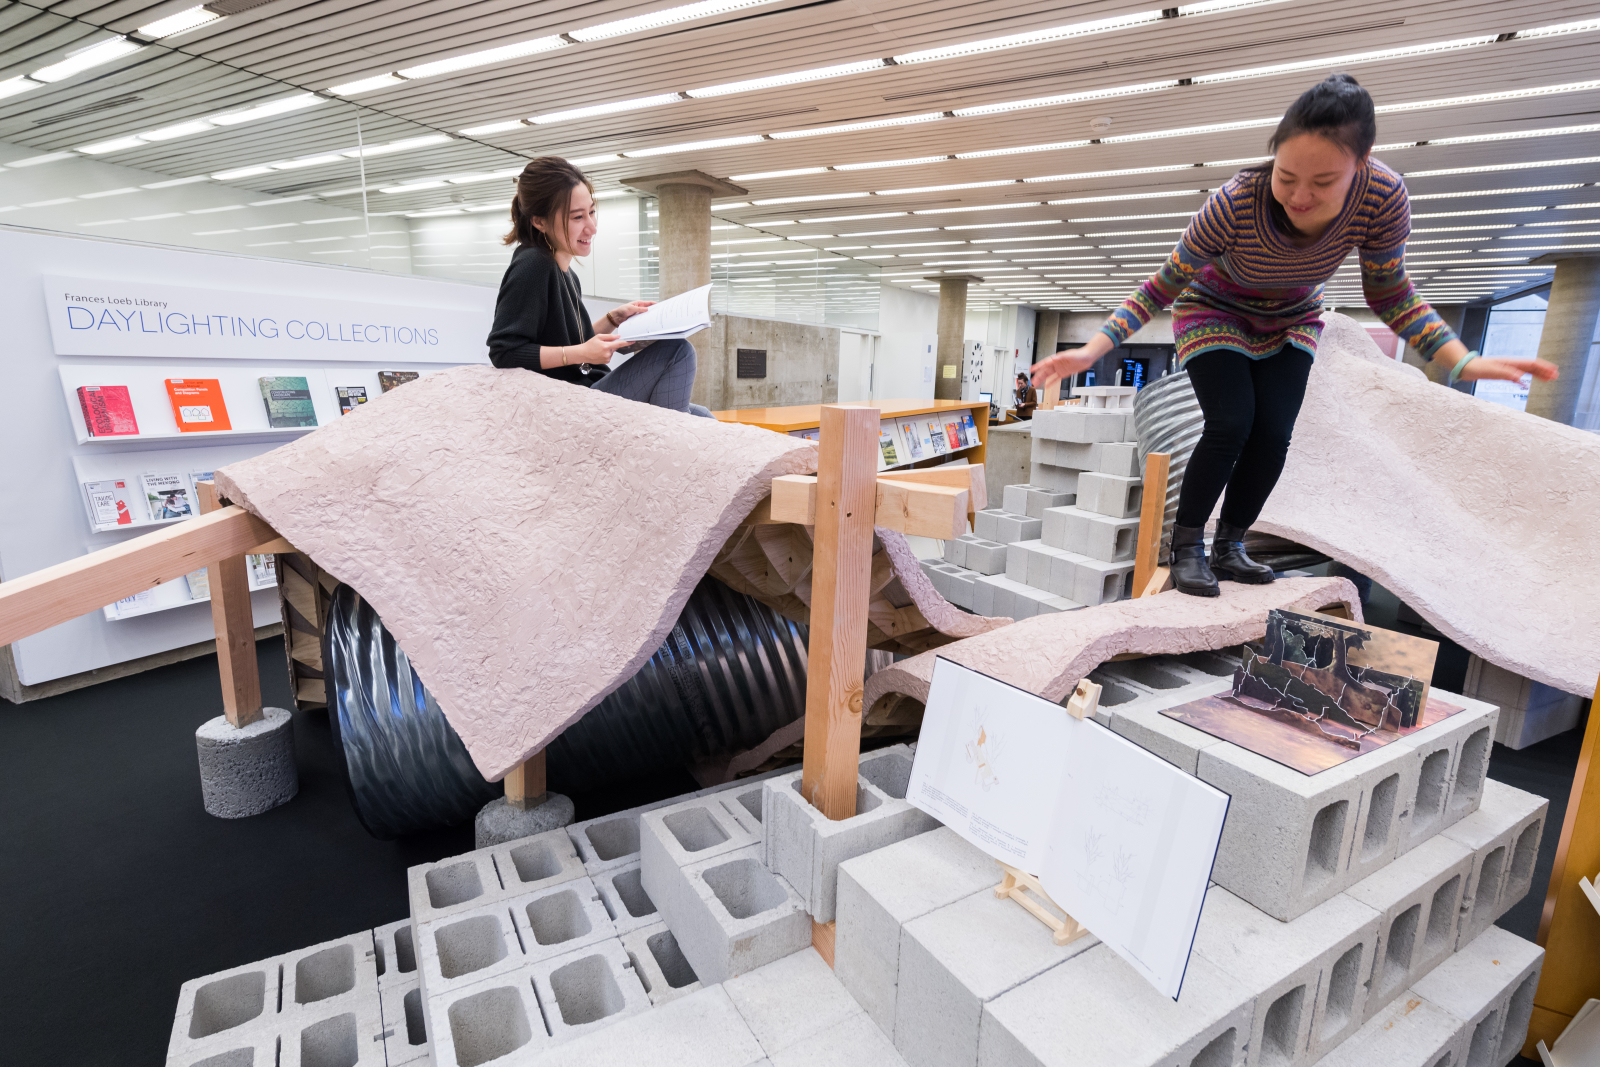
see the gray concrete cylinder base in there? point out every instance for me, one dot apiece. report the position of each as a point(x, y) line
point(249, 771)
point(498, 822)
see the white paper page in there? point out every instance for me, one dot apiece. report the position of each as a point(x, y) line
point(989, 762)
point(1131, 856)
point(675, 317)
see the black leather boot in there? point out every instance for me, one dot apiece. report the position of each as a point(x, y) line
point(1228, 559)
point(1189, 570)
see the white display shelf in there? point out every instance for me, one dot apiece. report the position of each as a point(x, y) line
point(166, 597)
point(100, 466)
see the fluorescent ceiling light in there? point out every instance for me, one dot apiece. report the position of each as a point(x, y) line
point(657, 19)
point(483, 58)
point(182, 129)
point(1020, 40)
point(493, 127)
point(1557, 30)
point(918, 161)
point(1334, 62)
point(693, 146)
point(1009, 225)
point(1066, 98)
point(19, 84)
point(1188, 131)
point(605, 109)
point(108, 192)
point(845, 218)
point(1524, 165)
point(761, 175)
point(1131, 196)
point(608, 194)
point(804, 199)
point(852, 127)
point(588, 161)
point(1085, 175)
point(791, 78)
point(365, 85)
point(173, 25)
point(977, 207)
point(1489, 98)
point(307, 161)
point(170, 182)
point(1020, 149)
point(397, 146)
point(84, 59)
point(281, 106)
point(115, 145)
point(1498, 192)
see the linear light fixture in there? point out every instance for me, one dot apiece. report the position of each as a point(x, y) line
point(1489, 98)
point(1491, 167)
point(492, 127)
point(612, 108)
point(944, 188)
point(20, 84)
point(1351, 59)
point(918, 161)
point(1088, 174)
point(1066, 98)
point(82, 59)
point(366, 85)
point(693, 146)
point(657, 19)
point(797, 171)
point(1498, 192)
point(977, 207)
point(182, 22)
point(515, 50)
point(804, 199)
point(1130, 196)
point(794, 77)
point(1021, 149)
point(283, 105)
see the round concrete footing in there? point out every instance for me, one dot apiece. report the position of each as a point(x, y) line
point(498, 822)
point(247, 771)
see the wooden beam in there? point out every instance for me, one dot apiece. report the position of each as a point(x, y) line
point(822, 939)
point(234, 623)
point(1152, 516)
point(794, 499)
point(1160, 581)
point(967, 476)
point(525, 783)
point(56, 594)
point(938, 511)
point(841, 580)
point(1569, 929)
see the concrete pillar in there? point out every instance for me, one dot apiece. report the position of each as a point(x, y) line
point(1567, 339)
point(1047, 330)
point(952, 332)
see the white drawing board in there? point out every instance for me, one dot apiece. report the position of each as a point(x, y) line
point(1122, 840)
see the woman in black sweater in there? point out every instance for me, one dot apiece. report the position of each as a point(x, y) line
point(540, 322)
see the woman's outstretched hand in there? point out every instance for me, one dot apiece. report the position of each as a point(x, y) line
point(1510, 370)
point(622, 313)
point(1066, 364)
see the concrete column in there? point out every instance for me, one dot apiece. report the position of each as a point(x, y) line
point(1567, 339)
point(684, 229)
point(1047, 331)
point(952, 331)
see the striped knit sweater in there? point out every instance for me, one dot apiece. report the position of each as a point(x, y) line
point(1235, 282)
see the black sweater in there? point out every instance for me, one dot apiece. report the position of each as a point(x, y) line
point(532, 310)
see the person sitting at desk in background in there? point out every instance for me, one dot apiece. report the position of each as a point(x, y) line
point(1027, 399)
point(540, 323)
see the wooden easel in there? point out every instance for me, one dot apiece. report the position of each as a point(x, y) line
point(1017, 884)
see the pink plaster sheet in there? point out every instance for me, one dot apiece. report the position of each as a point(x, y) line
point(529, 543)
point(1480, 517)
point(1048, 654)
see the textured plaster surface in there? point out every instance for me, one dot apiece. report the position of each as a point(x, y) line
point(1478, 516)
point(528, 544)
point(1048, 654)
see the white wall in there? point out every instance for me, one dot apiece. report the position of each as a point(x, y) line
point(909, 324)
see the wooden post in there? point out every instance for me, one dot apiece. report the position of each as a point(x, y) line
point(525, 783)
point(1152, 517)
point(1569, 929)
point(841, 580)
point(236, 632)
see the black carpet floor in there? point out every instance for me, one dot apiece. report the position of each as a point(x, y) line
point(116, 887)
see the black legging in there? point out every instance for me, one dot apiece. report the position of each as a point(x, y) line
point(1250, 406)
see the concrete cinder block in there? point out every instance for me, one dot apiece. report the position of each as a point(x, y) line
point(405, 1027)
point(690, 831)
point(452, 886)
point(1082, 425)
point(1289, 968)
point(1441, 748)
point(1008, 529)
point(880, 892)
point(1095, 581)
point(956, 959)
point(662, 968)
point(249, 1047)
point(466, 948)
point(983, 597)
point(790, 1000)
point(955, 549)
point(1027, 560)
point(587, 989)
point(1056, 479)
point(227, 1010)
point(1418, 899)
point(1032, 500)
point(1107, 494)
point(327, 978)
point(1058, 603)
point(1288, 839)
point(703, 1029)
point(960, 586)
point(1121, 459)
point(1116, 1017)
point(1408, 1032)
point(1529, 711)
point(934, 569)
point(1010, 599)
point(1488, 985)
point(1042, 451)
point(1503, 836)
point(396, 954)
point(731, 915)
point(533, 863)
point(560, 919)
point(497, 1019)
point(1078, 456)
point(610, 840)
point(1140, 719)
point(986, 557)
point(351, 1035)
point(809, 846)
point(984, 523)
point(622, 892)
point(1089, 534)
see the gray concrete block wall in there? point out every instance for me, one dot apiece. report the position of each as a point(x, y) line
point(396, 954)
point(1489, 986)
point(730, 914)
point(1109, 494)
point(587, 989)
point(663, 969)
point(560, 919)
point(1439, 801)
point(466, 948)
point(611, 840)
point(352, 1036)
point(1503, 835)
point(623, 894)
point(483, 1021)
point(533, 863)
point(1076, 529)
point(405, 1025)
point(452, 886)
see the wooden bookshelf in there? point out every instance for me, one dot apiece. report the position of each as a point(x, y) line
point(802, 417)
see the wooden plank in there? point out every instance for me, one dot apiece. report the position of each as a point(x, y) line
point(938, 511)
point(525, 783)
point(232, 619)
point(1569, 928)
point(822, 937)
point(1160, 581)
point(1152, 515)
point(794, 499)
point(808, 416)
point(56, 594)
point(968, 476)
point(841, 577)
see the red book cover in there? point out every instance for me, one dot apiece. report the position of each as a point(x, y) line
point(107, 410)
point(953, 432)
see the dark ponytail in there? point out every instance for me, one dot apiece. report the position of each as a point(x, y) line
point(1336, 108)
point(544, 191)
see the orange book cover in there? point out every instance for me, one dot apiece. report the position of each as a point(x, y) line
point(953, 432)
point(197, 404)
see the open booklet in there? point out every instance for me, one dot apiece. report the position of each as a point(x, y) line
point(678, 316)
point(1122, 841)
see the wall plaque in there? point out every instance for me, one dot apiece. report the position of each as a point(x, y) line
point(752, 362)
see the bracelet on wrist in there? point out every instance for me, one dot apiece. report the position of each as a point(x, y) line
point(1455, 373)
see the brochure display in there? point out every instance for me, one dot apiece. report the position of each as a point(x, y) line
point(1120, 839)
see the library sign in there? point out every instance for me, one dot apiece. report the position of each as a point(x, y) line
point(100, 317)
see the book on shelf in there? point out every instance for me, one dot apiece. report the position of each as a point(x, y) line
point(969, 429)
point(388, 379)
point(263, 570)
point(137, 604)
point(952, 433)
point(110, 503)
point(936, 438)
point(199, 584)
point(916, 443)
point(167, 496)
point(107, 410)
point(886, 446)
point(350, 396)
point(288, 403)
point(197, 404)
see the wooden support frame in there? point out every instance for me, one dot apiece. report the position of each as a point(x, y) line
point(525, 783)
point(1152, 519)
point(1017, 884)
point(936, 507)
point(1569, 929)
point(233, 621)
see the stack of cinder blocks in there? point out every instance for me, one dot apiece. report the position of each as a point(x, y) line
point(1351, 921)
point(1066, 539)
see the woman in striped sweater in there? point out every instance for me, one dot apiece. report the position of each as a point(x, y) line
point(1245, 284)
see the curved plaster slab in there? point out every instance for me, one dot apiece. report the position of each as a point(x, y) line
point(1048, 654)
point(529, 544)
point(1481, 518)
